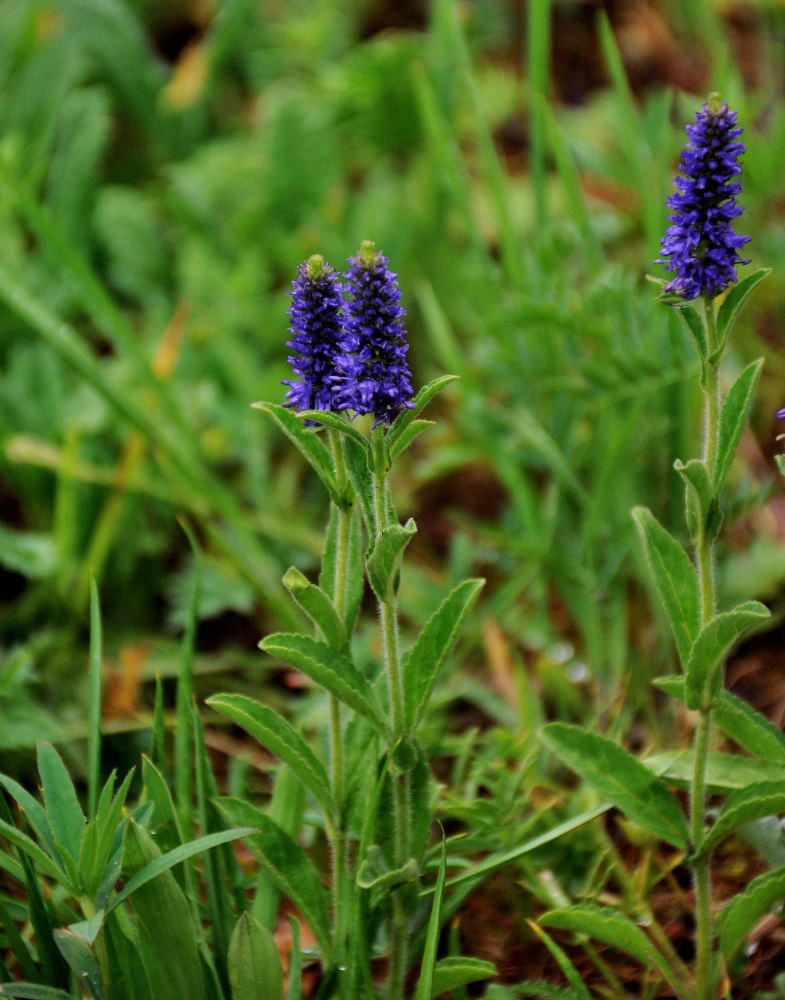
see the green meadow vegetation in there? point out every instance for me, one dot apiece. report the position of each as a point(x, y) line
point(183, 814)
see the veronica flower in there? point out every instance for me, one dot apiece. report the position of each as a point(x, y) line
point(316, 314)
point(700, 244)
point(374, 376)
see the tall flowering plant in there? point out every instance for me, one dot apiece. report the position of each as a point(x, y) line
point(349, 359)
point(701, 248)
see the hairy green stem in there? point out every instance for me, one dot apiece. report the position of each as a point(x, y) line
point(339, 844)
point(388, 613)
point(704, 932)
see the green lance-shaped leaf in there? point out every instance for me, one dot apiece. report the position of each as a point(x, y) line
point(703, 513)
point(454, 972)
point(739, 720)
point(675, 579)
point(359, 468)
point(710, 648)
point(81, 958)
point(282, 739)
point(763, 798)
point(399, 427)
point(63, 812)
point(733, 419)
point(422, 662)
point(335, 672)
point(319, 608)
point(403, 440)
point(288, 866)
point(617, 775)
point(696, 328)
point(746, 908)
point(336, 422)
point(254, 964)
point(167, 936)
point(734, 300)
point(725, 772)
point(605, 925)
point(384, 559)
point(308, 443)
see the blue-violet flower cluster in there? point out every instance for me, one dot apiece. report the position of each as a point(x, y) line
point(352, 354)
point(700, 245)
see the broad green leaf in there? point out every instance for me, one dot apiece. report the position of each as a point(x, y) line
point(308, 443)
point(739, 720)
point(725, 771)
point(675, 579)
point(282, 739)
point(63, 812)
point(129, 979)
point(617, 775)
point(605, 925)
point(733, 419)
point(81, 958)
point(710, 648)
point(734, 300)
point(703, 513)
point(421, 663)
point(167, 935)
point(404, 439)
point(408, 415)
point(287, 864)
point(424, 989)
point(166, 861)
point(745, 805)
point(254, 963)
point(452, 973)
point(747, 907)
point(329, 668)
point(319, 608)
point(384, 559)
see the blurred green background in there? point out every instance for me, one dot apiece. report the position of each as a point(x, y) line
point(164, 167)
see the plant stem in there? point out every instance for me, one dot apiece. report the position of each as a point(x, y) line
point(704, 944)
point(388, 612)
point(339, 845)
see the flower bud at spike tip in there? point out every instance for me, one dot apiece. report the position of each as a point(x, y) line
point(700, 245)
point(373, 376)
point(316, 315)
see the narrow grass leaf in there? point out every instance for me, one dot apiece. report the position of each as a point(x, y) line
point(733, 418)
point(32, 991)
point(18, 947)
point(94, 703)
point(421, 664)
point(183, 731)
point(622, 778)
point(287, 807)
point(764, 798)
point(295, 963)
point(384, 559)
point(739, 720)
point(319, 608)
point(63, 812)
point(571, 974)
point(282, 739)
point(710, 648)
point(331, 670)
point(674, 577)
point(746, 908)
point(307, 442)
point(424, 989)
point(254, 962)
point(734, 301)
point(453, 973)
point(287, 864)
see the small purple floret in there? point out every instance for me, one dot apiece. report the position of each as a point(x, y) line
point(700, 245)
point(316, 315)
point(373, 375)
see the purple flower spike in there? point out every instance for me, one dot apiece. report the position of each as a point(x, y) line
point(316, 314)
point(373, 374)
point(700, 243)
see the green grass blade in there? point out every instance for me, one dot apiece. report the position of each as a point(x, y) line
point(94, 704)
